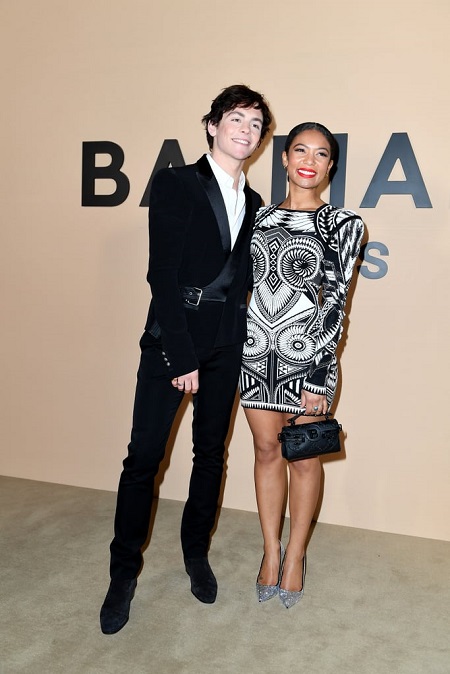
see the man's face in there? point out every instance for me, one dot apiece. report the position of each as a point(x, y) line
point(237, 134)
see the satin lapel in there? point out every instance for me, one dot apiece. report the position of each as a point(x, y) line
point(248, 217)
point(212, 189)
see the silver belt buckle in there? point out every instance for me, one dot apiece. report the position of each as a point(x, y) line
point(200, 293)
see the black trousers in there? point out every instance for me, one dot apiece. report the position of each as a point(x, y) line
point(155, 407)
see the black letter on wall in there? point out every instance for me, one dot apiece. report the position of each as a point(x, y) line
point(398, 148)
point(278, 172)
point(381, 268)
point(339, 172)
point(170, 155)
point(91, 173)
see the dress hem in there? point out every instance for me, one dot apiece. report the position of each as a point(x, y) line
point(271, 407)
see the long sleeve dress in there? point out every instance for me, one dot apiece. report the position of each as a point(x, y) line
point(302, 267)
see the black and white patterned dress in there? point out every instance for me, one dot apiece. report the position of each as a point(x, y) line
point(302, 267)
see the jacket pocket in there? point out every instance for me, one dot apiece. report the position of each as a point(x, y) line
point(154, 329)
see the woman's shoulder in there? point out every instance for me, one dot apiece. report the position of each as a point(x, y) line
point(338, 214)
point(333, 218)
point(333, 223)
point(263, 210)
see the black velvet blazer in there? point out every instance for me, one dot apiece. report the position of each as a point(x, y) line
point(189, 245)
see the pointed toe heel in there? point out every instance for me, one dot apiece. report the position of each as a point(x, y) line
point(291, 597)
point(266, 592)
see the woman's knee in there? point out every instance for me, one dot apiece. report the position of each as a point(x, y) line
point(305, 467)
point(267, 451)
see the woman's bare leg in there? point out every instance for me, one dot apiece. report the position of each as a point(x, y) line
point(304, 489)
point(270, 485)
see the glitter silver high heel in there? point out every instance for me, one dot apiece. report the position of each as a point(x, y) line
point(290, 597)
point(266, 592)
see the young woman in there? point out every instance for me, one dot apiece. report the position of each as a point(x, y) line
point(303, 252)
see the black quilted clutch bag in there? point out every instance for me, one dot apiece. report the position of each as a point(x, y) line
point(303, 441)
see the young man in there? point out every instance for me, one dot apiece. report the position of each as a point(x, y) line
point(201, 220)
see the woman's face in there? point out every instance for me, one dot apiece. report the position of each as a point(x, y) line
point(308, 159)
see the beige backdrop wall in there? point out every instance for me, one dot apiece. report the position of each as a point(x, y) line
point(73, 290)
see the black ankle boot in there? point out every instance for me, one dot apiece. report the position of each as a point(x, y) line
point(116, 607)
point(203, 581)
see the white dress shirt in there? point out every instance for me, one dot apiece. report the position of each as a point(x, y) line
point(234, 200)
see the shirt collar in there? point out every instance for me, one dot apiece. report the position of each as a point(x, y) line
point(222, 177)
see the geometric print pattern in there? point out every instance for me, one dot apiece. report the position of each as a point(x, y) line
point(302, 267)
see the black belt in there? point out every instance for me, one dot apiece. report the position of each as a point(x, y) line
point(217, 290)
point(193, 296)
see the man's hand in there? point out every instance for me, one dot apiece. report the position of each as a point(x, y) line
point(187, 382)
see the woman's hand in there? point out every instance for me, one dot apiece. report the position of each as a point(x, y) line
point(313, 403)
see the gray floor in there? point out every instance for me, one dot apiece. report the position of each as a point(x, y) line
point(374, 603)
